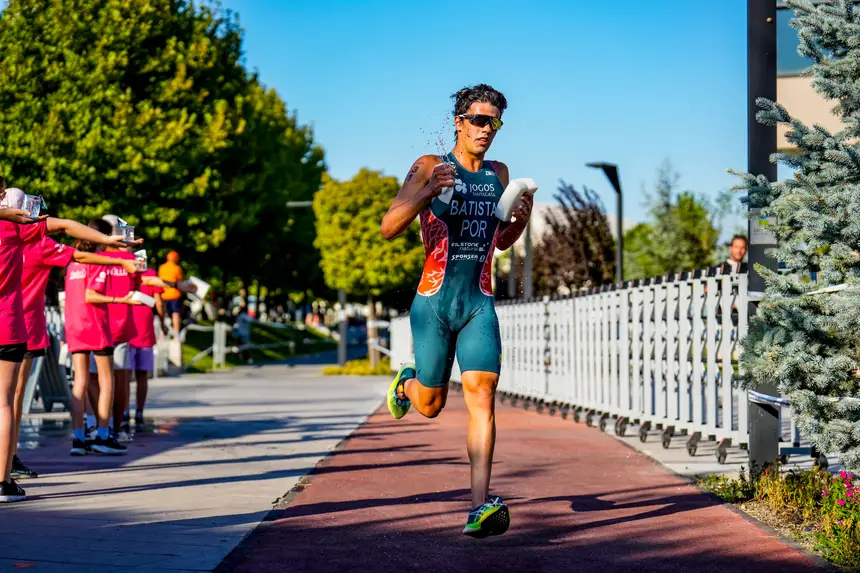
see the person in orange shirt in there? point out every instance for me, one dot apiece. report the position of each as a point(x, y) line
point(172, 272)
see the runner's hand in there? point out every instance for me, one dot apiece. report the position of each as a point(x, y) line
point(441, 178)
point(186, 286)
point(164, 330)
point(20, 216)
point(129, 266)
point(523, 212)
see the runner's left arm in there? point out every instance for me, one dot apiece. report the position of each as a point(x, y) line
point(79, 231)
point(510, 232)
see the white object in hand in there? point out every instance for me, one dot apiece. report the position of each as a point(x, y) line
point(510, 199)
point(143, 298)
point(202, 287)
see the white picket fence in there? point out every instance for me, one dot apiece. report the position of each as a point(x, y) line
point(659, 354)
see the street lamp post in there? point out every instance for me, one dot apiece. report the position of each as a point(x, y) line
point(611, 172)
point(761, 142)
point(341, 298)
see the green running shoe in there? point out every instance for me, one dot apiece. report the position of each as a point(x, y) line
point(396, 406)
point(492, 518)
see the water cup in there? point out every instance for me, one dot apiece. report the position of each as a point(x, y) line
point(32, 204)
point(140, 260)
point(126, 230)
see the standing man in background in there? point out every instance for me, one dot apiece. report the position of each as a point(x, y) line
point(735, 263)
point(172, 272)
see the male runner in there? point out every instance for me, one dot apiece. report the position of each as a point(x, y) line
point(456, 196)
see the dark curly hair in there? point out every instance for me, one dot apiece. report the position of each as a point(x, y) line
point(483, 93)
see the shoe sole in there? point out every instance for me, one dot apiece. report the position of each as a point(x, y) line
point(107, 451)
point(12, 498)
point(391, 397)
point(28, 475)
point(496, 524)
point(78, 452)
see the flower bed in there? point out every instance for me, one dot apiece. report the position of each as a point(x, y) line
point(815, 507)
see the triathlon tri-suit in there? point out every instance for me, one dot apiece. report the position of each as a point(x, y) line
point(453, 309)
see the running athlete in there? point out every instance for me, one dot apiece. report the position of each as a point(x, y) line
point(453, 311)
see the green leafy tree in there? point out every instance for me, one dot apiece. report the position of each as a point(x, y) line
point(144, 109)
point(577, 249)
point(808, 345)
point(355, 256)
point(681, 235)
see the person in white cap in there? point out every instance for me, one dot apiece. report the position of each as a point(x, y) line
point(124, 328)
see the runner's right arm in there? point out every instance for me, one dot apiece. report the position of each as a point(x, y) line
point(427, 178)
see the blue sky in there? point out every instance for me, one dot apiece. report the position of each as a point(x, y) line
point(630, 82)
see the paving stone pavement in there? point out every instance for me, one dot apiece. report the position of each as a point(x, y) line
point(227, 446)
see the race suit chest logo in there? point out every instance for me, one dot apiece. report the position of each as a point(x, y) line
point(475, 203)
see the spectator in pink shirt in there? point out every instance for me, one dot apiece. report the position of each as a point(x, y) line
point(17, 230)
point(142, 361)
point(39, 258)
point(88, 330)
point(123, 328)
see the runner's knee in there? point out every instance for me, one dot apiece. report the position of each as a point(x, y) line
point(432, 403)
point(479, 389)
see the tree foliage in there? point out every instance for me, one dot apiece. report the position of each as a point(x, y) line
point(808, 345)
point(355, 256)
point(144, 109)
point(577, 249)
point(681, 235)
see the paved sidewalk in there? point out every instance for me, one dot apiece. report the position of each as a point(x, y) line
point(395, 498)
point(228, 446)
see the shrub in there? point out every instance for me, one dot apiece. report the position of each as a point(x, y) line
point(360, 367)
point(735, 490)
point(826, 505)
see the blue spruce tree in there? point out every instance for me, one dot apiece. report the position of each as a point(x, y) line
point(802, 340)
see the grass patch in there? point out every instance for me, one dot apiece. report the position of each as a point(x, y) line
point(303, 342)
point(820, 510)
point(360, 367)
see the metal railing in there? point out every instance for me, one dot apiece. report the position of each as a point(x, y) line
point(660, 353)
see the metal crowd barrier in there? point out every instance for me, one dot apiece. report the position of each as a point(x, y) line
point(660, 353)
point(50, 378)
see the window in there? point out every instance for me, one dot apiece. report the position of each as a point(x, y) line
point(788, 61)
